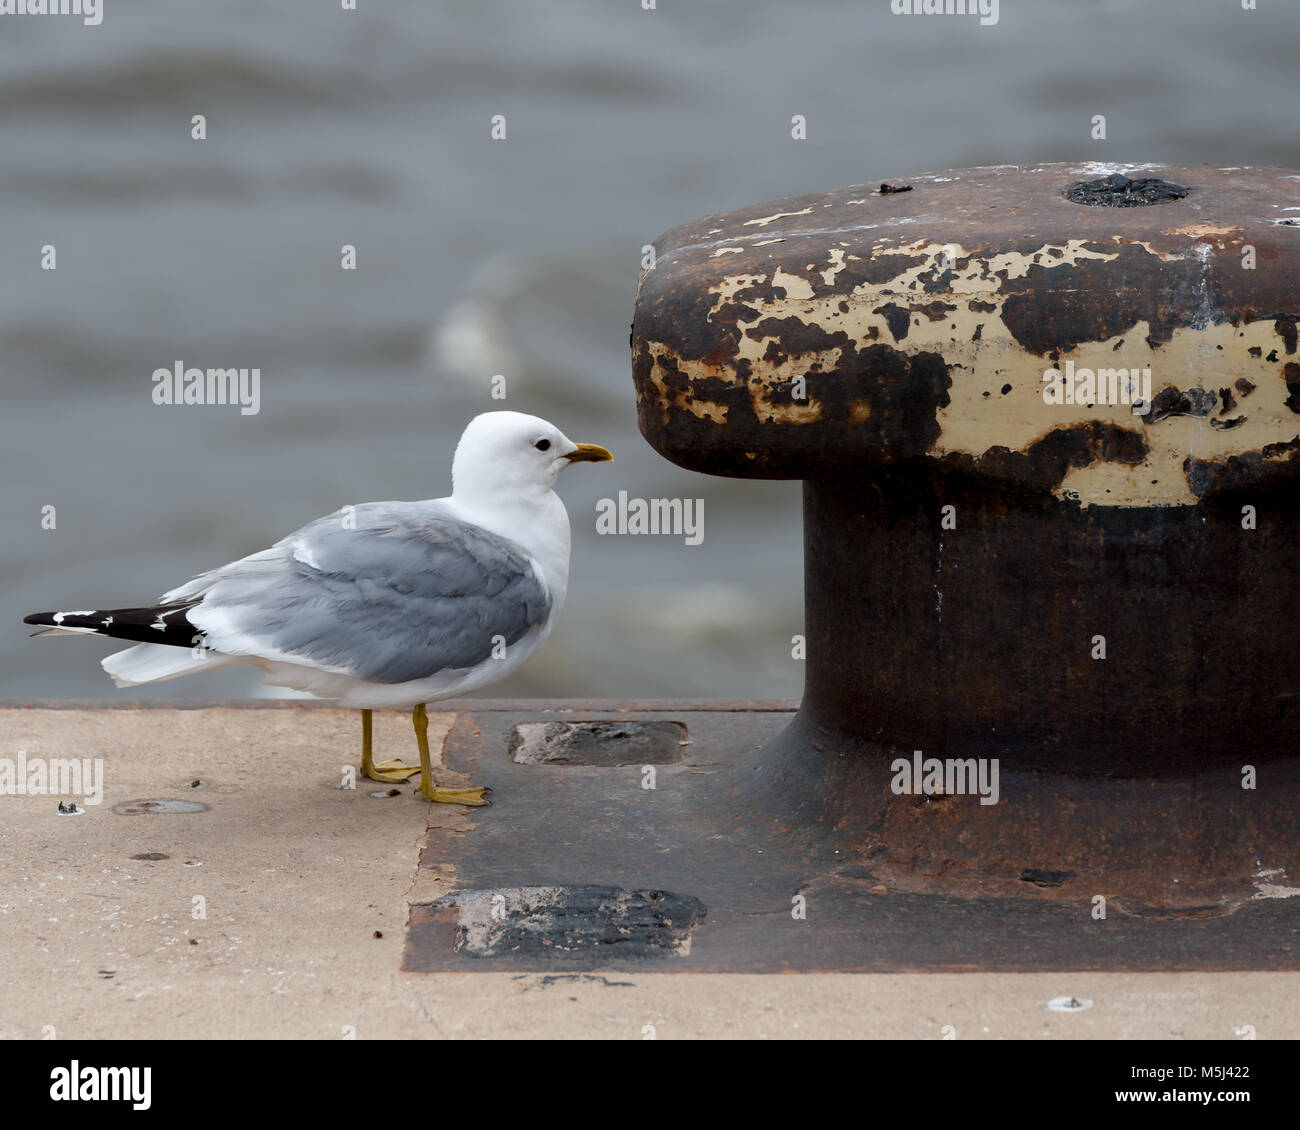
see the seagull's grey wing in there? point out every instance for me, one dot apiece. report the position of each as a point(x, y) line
point(408, 592)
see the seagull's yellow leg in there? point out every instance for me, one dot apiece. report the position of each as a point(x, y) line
point(428, 790)
point(389, 772)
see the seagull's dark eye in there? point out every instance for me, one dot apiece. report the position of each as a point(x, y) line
point(543, 445)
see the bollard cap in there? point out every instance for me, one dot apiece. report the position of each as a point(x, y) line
point(922, 319)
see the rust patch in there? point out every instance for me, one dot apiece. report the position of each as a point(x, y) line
point(1170, 401)
point(1061, 307)
point(1286, 330)
point(1276, 465)
point(1291, 375)
point(1045, 463)
point(897, 317)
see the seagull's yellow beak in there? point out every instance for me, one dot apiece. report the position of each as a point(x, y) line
point(589, 453)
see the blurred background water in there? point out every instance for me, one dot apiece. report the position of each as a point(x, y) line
point(476, 257)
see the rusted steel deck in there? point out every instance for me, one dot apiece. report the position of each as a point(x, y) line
point(577, 866)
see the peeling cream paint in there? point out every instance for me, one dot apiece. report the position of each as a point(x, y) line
point(727, 251)
point(778, 216)
point(837, 265)
point(1209, 356)
point(1201, 231)
point(762, 391)
point(727, 289)
point(796, 288)
point(1169, 256)
point(972, 423)
point(1273, 890)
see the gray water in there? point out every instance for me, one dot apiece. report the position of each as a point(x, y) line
point(476, 257)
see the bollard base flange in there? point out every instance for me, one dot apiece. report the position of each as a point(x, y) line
point(750, 849)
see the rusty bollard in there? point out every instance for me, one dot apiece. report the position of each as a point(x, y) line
point(1047, 422)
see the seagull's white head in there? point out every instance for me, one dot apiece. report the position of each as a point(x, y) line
point(510, 453)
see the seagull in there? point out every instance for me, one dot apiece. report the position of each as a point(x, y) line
point(382, 604)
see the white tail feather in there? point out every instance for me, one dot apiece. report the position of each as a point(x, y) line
point(156, 662)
